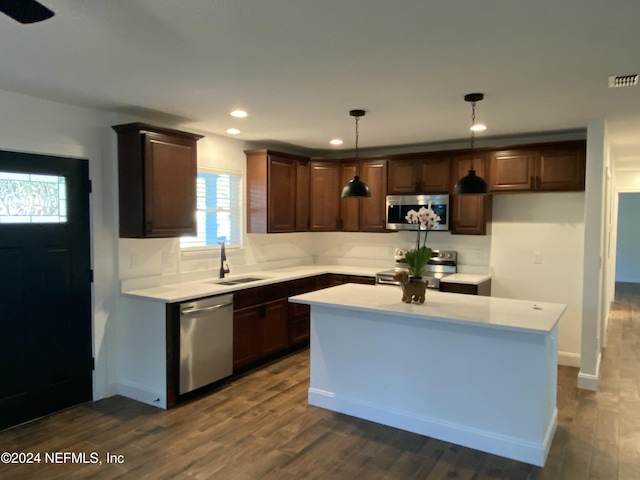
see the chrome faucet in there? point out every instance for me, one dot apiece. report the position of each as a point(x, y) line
point(224, 266)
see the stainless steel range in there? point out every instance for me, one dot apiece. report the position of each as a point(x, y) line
point(442, 263)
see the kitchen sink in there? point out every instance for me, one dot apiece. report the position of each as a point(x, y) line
point(237, 281)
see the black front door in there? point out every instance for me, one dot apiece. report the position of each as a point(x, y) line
point(45, 286)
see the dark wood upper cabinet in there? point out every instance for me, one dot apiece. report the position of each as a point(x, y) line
point(513, 170)
point(403, 177)
point(434, 174)
point(469, 214)
point(372, 211)
point(350, 206)
point(302, 196)
point(281, 196)
point(288, 193)
point(157, 171)
point(272, 188)
point(428, 174)
point(324, 189)
point(551, 167)
point(561, 169)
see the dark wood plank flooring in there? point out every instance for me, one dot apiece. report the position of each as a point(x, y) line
point(259, 426)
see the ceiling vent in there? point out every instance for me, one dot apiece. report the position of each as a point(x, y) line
point(616, 81)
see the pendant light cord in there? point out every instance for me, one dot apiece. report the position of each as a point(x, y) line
point(473, 133)
point(357, 120)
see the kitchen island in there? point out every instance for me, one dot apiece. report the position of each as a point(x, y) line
point(475, 371)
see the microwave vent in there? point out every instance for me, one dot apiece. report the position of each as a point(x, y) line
point(617, 81)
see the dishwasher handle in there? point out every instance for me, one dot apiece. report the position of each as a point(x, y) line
point(193, 310)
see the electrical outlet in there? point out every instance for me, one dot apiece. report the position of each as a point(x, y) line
point(537, 257)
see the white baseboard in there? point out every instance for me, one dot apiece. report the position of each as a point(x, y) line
point(142, 394)
point(589, 381)
point(484, 440)
point(568, 359)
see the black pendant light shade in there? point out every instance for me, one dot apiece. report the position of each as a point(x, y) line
point(471, 183)
point(25, 11)
point(356, 187)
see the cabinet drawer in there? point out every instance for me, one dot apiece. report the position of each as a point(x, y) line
point(483, 288)
point(302, 285)
point(459, 288)
point(259, 295)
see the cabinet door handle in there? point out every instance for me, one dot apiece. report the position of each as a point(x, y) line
point(191, 310)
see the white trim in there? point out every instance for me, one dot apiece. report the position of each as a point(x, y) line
point(587, 381)
point(569, 359)
point(487, 441)
point(223, 171)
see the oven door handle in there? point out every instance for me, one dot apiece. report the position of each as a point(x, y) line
point(384, 281)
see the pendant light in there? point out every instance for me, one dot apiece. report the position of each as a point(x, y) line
point(356, 187)
point(471, 183)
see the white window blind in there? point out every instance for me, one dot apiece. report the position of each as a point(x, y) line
point(218, 211)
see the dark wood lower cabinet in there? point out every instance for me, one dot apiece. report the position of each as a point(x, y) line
point(246, 336)
point(259, 332)
point(339, 279)
point(275, 327)
point(483, 288)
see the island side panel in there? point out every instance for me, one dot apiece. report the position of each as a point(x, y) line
point(485, 388)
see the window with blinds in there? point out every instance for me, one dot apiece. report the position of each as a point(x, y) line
point(218, 211)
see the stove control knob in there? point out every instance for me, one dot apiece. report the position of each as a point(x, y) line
point(449, 255)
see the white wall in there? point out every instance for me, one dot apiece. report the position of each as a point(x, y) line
point(37, 126)
point(547, 228)
point(628, 241)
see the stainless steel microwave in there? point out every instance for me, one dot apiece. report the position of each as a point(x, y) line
point(399, 205)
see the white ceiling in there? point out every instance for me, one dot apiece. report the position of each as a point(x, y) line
point(299, 66)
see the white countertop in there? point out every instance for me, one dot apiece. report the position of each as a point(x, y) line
point(492, 312)
point(465, 278)
point(179, 292)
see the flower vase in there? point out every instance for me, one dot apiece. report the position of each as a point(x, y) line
point(414, 290)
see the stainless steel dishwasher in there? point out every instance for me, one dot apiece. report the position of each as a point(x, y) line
point(206, 341)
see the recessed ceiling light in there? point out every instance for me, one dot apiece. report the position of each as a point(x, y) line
point(336, 141)
point(478, 127)
point(239, 113)
point(233, 131)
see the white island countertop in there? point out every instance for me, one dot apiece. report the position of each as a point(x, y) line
point(465, 278)
point(501, 313)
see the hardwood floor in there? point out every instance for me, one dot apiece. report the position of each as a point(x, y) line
point(259, 426)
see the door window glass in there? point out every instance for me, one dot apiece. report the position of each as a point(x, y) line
point(31, 198)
